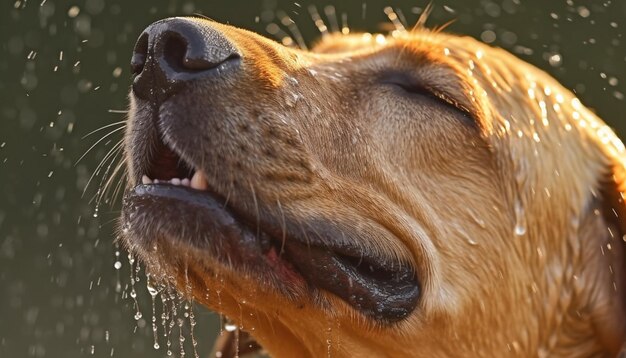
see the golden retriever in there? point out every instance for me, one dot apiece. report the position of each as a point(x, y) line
point(420, 194)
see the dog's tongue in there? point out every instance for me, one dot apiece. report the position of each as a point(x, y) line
point(375, 290)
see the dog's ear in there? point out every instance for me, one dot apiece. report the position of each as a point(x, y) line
point(612, 243)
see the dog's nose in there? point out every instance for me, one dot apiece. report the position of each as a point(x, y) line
point(174, 51)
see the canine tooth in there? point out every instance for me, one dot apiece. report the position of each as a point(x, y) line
point(156, 181)
point(185, 182)
point(146, 180)
point(175, 181)
point(198, 181)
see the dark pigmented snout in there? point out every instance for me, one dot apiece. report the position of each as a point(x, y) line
point(175, 51)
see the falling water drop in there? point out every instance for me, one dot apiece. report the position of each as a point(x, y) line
point(133, 292)
point(192, 324)
point(181, 337)
point(118, 283)
point(153, 293)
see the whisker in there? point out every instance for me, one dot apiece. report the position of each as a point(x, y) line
point(103, 127)
point(106, 178)
point(110, 221)
point(331, 15)
point(256, 207)
point(421, 21)
point(293, 28)
point(444, 26)
point(96, 143)
point(230, 190)
point(98, 196)
point(120, 183)
point(318, 21)
point(110, 178)
point(202, 16)
point(102, 192)
point(283, 226)
point(314, 230)
point(121, 111)
point(305, 234)
point(112, 152)
point(419, 25)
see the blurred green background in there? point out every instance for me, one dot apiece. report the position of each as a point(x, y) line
point(64, 71)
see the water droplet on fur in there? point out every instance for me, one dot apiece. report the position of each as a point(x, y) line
point(292, 98)
point(230, 326)
point(520, 219)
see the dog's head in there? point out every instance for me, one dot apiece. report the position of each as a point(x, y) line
point(419, 193)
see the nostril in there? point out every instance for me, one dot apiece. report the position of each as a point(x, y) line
point(189, 54)
point(140, 54)
point(175, 50)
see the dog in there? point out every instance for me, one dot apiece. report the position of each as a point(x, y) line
point(416, 194)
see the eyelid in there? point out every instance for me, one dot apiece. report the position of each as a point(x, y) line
point(409, 84)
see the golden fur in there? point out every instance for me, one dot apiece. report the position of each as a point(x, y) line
point(512, 221)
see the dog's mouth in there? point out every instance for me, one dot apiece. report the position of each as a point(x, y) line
point(175, 202)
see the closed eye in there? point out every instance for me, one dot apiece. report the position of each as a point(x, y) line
point(412, 87)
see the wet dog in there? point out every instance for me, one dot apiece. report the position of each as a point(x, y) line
point(420, 194)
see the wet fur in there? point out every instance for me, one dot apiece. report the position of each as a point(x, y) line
point(314, 134)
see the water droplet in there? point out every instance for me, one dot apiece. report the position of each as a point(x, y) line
point(230, 327)
point(520, 219)
point(152, 290)
point(73, 11)
point(555, 60)
point(583, 12)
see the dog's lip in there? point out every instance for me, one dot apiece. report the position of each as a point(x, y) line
point(376, 289)
point(219, 231)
